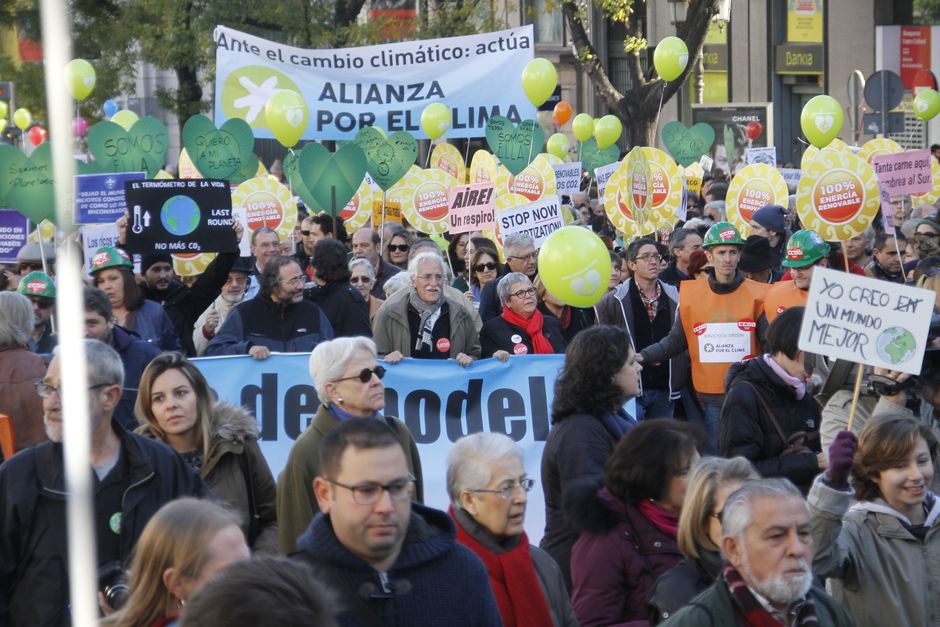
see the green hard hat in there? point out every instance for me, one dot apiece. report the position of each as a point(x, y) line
point(722, 234)
point(110, 257)
point(805, 248)
point(37, 284)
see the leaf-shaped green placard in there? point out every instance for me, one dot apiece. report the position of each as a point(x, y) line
point(26, 182)
point(294, 180)
point(387, 159)
point(593, 157)
point(221, 153)
point(687, 145)
point(143, 148)
point(332, 179)
point(514, 146)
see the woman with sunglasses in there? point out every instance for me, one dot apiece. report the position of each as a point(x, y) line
point(484, 268)
point(362, 278)
point(348, 382)
point(175, 406)
point(396, 250)
point(488, 489)
point(521, 329)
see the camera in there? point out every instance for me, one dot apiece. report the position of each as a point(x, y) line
point(112, 582)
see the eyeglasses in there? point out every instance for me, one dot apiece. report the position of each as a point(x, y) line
point(508, 489)
point(30, 267)
point(360, 279)
point(530, 257)
point(45, 390)
point(487, 265)
point(365, 375)
point(648, 258)
point(297, 280)
point(523, 293)
point(934, 235)
point(370, 493)
point(438, 278)
point(398, 248)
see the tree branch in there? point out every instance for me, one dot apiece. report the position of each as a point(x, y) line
point(587, 57)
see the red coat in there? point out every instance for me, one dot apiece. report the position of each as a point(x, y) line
point(19, 371)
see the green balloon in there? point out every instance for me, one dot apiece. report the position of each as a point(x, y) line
point(388, 159)
point(142, 148)
point(927, 104)
point(593, 157)
point(294, 179)
point(514, 146)
point(574, 265)
point(687, 145)
point(331, 179)
point(607, 131)
point(583, 127)
point(221, 153)
point(26, 182)
point(821, 120)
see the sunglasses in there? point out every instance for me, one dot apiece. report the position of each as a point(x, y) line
point(365, 375)
point(360, 279)
point(487, 265)
point(398, 248)
point(306, 233)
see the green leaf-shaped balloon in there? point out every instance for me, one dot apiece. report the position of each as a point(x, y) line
point(593, 157)
point(221, 153)
point(687, 145)
point(388, 159)
point(514, 146)
point(141, 149)
point(332, 179)
point(26, 182)
point(294, 180)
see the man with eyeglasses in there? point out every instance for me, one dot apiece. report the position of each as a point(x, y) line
point(133, 477)
point(265, 246)
point(39, 288)
point(393, 562)
point(277, 319)
point(521, 256)
point(233, 293)
point(647, 308)
point(366, 245)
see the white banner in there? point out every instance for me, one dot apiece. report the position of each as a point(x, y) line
point(567, 178)
point(388, 85)
point(538, 219)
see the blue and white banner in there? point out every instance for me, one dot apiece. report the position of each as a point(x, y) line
point(387, 85)
point(99, 198)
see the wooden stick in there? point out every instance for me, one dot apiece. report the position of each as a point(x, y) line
point(858, 386)
point(845, 258)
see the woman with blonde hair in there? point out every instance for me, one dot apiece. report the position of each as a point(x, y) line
point(184, 545)
point(712, 480)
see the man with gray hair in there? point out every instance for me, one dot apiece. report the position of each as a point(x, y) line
point(133, 477)
point(767, 577)
point(521, 256)
point(682, 242)
point(265, 245)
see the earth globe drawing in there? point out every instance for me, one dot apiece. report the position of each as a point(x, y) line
point(180, 215)
point(895, 345)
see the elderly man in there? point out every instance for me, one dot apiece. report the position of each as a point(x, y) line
point(233, 293)
point(133, 477)
point(767, 577)
point(366, 245)
point(521, 256)
point(265, 246)
point(858, 248)
point(683, 243)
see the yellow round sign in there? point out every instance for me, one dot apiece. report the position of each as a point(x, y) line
point(838, 195)
point(266, 202)
point(878, 147)
point(812, 151)
point(358, 210)
point(628, 197)
point(666, 178)
point(552, 159)
point(929, 198)
point(424, 200)
point(191, 264)
point(482, 167)
point(751, 188)
point(446, 157)
point(535, 181)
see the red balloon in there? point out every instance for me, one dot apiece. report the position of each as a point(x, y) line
point(754, 129)
point(562, 113)
point(37, 135)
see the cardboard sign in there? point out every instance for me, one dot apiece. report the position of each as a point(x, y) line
point(567, 178)
point(791, 176)
point(193, 216)
point(904, 172)
point(538, 219)
point(602, 175)
point(887, 212)
point(866, 321)
point(471, 208)
point(99, 198)
point(14, 229)
point(95, 236)
point(766, 155)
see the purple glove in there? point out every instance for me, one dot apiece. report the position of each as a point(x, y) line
point(841, 454)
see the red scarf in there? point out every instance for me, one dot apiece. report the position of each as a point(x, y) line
point(667, 522)
point(532, 327)
point(513, 580)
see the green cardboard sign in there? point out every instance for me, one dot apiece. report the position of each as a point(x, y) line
point(325, 174)
point(687, 145)
point(221, 153)
point(26, 182)
point(593, 157)
point(388, 159)
point(514, 146)
point(143, 148)
point(294, 180)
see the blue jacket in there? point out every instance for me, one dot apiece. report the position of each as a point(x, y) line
point(135, 355)
point(435, 582)
point(150, 322)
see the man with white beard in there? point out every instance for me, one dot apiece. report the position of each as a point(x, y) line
point(766, 578)
point(233, 292)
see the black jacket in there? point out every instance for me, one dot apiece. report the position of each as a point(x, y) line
point(34, 588)
point(746, 428)
point(344, 307)
point(676, 587)
point(497, 334)
point(135, 354)
point(581, 319)
point(184, 304)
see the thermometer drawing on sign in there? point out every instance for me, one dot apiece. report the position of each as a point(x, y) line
point(138, 227)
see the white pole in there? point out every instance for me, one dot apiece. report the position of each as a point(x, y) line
point(82, 560)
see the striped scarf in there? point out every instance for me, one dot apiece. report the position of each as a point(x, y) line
point(752, 613)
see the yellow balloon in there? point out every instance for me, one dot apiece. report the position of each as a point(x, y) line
point(435, 119)
point(3, 124)
point(79, 78)
point(583, 127)
point(539, 79)
point(607, 131)
point(575, 266)
point(286, 113)
point(670, 58)
point(22, 118)
point(558, 145)
point(4, 108)
point(125, 118)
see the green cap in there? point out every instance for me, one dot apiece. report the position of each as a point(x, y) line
point(722, 234)
point(110, 257)
point(37, 284)
point(805, 248)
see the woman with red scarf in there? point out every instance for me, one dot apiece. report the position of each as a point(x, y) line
point(628, 524)
point(521, 329)
point(488, 489)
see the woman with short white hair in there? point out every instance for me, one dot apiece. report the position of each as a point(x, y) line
point(520, 329)
point(423, 321)
point(488, 490)
point(362, 278)
point(348, 382)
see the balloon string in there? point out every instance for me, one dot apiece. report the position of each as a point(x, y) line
point(658, 111)
point(466, 157)
point(382, 230)
point(427, 161)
